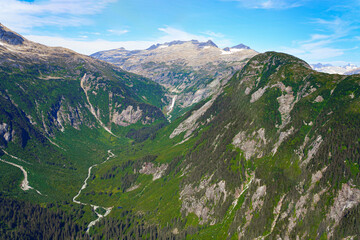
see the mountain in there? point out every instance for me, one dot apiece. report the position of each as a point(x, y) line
point(55, 103)
point(349, 69)
point(236, 48)
point(353, 71)
point(190, 70)
point(275, 155)
point(272, 154)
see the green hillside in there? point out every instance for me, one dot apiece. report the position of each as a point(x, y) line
point(274, 154)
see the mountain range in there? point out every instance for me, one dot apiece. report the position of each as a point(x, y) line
point(183, 140)
point(348, 69)
point(190, 70)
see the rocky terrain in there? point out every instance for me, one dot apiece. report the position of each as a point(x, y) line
point(190, 70)
point(48, 94)
point(264, 159)
point(271, 154)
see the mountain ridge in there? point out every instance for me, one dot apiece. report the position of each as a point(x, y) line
point(273, 153)
point(190, 70)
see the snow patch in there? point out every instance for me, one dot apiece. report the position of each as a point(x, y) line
point(231, 51)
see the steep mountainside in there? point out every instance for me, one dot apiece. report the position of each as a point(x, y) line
point(274, 156)
point(54, 102)
point(191, 70)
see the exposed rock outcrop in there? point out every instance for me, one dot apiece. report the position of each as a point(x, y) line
point(6, 132)
point(202, 199)
point(149, 168)
point(127, 116)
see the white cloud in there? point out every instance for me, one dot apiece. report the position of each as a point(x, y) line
point(22, 16)
point(84, 46)
point(314, 54)
point(320, 47)
point(315, 37)
point(176, 34)
point(213, 34)
point(270, 4)
point(337, 26)
point(88, 47)
point(118, 32)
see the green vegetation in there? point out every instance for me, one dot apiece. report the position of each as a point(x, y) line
point(296, 146)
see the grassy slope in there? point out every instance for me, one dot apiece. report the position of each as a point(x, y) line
point(335, 119)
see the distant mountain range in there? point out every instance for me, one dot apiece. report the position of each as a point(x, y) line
point(190, 70)
point(348, 69)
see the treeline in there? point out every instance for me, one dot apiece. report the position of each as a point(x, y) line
point(130, 226)
point(24, 220)
point(140, 135)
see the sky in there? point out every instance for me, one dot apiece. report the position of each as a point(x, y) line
point(325, 31)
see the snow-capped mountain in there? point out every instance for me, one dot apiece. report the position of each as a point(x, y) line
point(348, 69)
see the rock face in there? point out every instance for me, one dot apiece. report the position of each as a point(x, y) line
point(149, 168)
point(190, 69)
point(5, 132)
point(10, 37)
point(46, 90)
point(127, 116)
point(273, 135)
point(203, 208)
point(273, 154)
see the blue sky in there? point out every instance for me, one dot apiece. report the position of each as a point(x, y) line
point(324, 31)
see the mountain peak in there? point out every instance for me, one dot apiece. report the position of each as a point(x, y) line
point(10, 37)
point(241, 46)
point(209, 43)
point(279, 58)
point(237, 48)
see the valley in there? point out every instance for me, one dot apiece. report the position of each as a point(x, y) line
point(210, 144)
point(108, 210)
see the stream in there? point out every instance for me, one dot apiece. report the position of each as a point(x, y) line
point(25, 183)
point(108, 210)
point(171, 107)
